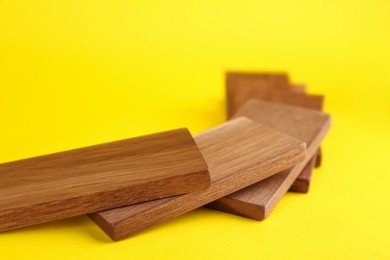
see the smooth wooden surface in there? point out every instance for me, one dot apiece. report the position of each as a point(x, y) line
point(242, 87)
point(90, 179)
point(310, 126)
point(300, 88)
point(239, 153)
point(87, 72)
point(302, 182)
point(274, 87)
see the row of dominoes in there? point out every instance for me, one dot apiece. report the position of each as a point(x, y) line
point(269, 145)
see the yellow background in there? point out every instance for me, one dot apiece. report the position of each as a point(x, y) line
point(77, 73)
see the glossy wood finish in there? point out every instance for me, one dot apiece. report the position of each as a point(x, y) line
point(239, 153)
point(99, 177)
point(310, 126)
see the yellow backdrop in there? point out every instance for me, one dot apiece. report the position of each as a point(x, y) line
point(77, 73)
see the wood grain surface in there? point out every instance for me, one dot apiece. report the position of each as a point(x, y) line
point(310, 126)
point(302, 182)
point(99, 177)
point(239, 153)
point(273, 87)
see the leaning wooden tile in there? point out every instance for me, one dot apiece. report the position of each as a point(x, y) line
point(310, 126)
point(300, 88)
point(270, 87)
point(239, 92)
point(239, 153)
point(100, 177)
point(302, 182)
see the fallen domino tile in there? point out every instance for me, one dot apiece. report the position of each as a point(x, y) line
point(239, 153)
point(258, 200)
point(272, 87)
point(100, 177)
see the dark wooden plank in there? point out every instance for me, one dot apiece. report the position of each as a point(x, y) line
point(310, 126)
point(239, 153)
point(99, 177)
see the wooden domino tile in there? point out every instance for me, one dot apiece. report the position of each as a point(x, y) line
point(100, 177)
point(310, 126)
point(240, 87)
point(239, 153)
point(238, 92)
